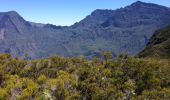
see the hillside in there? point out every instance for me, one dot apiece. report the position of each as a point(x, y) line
point(159, 45)
point(126, 29)
point(58, 78)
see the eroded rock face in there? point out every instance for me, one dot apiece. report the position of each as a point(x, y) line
point(2, 33)
point(13, 23)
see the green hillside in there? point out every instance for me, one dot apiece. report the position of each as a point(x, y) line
point(159, 45)
point(58, 78)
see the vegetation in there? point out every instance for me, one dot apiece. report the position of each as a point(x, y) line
point(78, 78)
point(159, 45)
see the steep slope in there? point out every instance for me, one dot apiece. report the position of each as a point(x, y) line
point(12, 22)
point(123, 30)
point(159, 45)
point(13, 29)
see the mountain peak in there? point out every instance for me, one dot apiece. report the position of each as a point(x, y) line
point(13, 22)
point(12, 13)
point(138, 2)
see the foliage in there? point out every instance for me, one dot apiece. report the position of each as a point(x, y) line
point(158, 45)
point(104, 78)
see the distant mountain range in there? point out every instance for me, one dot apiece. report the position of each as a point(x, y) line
point(159, 45)
point(126, 29)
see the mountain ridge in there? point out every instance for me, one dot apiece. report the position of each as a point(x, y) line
point(123, 30)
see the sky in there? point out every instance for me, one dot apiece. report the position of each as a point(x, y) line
point(64, 12)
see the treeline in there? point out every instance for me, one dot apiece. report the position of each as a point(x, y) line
point(58, 78)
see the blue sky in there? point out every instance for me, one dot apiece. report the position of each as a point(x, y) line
point(64, 12)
